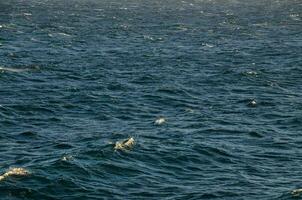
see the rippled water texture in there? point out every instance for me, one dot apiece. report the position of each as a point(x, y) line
point(137, 99)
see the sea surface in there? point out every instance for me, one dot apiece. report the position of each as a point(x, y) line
point(79, 76)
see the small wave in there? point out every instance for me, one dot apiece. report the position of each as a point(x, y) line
point(27, 14)
point(160, 121)
point(18, 70)
point(255, 134)
point(151, 38)
point(98, 9)
point(179, 27)
point(59, 35)
point(8, 69)
point(208, 45)
point(14, 172)
point(28, 134)
point(295, 17)
point(296, 192)
point(125, 144)
point(63, 146)
point(252, 73)
point(189, 110)
point(67, 158)
point(252, 103)
point(249, 102)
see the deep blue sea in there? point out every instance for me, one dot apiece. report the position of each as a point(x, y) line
point(78, 76)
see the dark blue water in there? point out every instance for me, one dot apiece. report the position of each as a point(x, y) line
point(79, 75)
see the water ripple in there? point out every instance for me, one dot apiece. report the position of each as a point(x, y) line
point(208, 90)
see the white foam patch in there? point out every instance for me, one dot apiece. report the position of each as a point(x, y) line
point(295, 17)
point(125, 144)
point(251, 73)
point(67, 158)
point(160, 121)
point(14, 172)
point(23, 69)
point(60, 34)
point(296, 192)
point(12, 69)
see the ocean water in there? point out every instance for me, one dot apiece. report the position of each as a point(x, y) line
point(223, 77)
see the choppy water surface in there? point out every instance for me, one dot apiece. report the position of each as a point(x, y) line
point(223, 79)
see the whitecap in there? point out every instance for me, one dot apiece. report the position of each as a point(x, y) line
point(3, 69)
point(296, 192)
point(251, 73)
point(67, 158)
point(160, 121)
point(60, 34)
point(208, 45)
point(15, 172)
point(124, 144)
point(252, 103)
point(147, 37)
point(295, 17)
point(17, 70)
